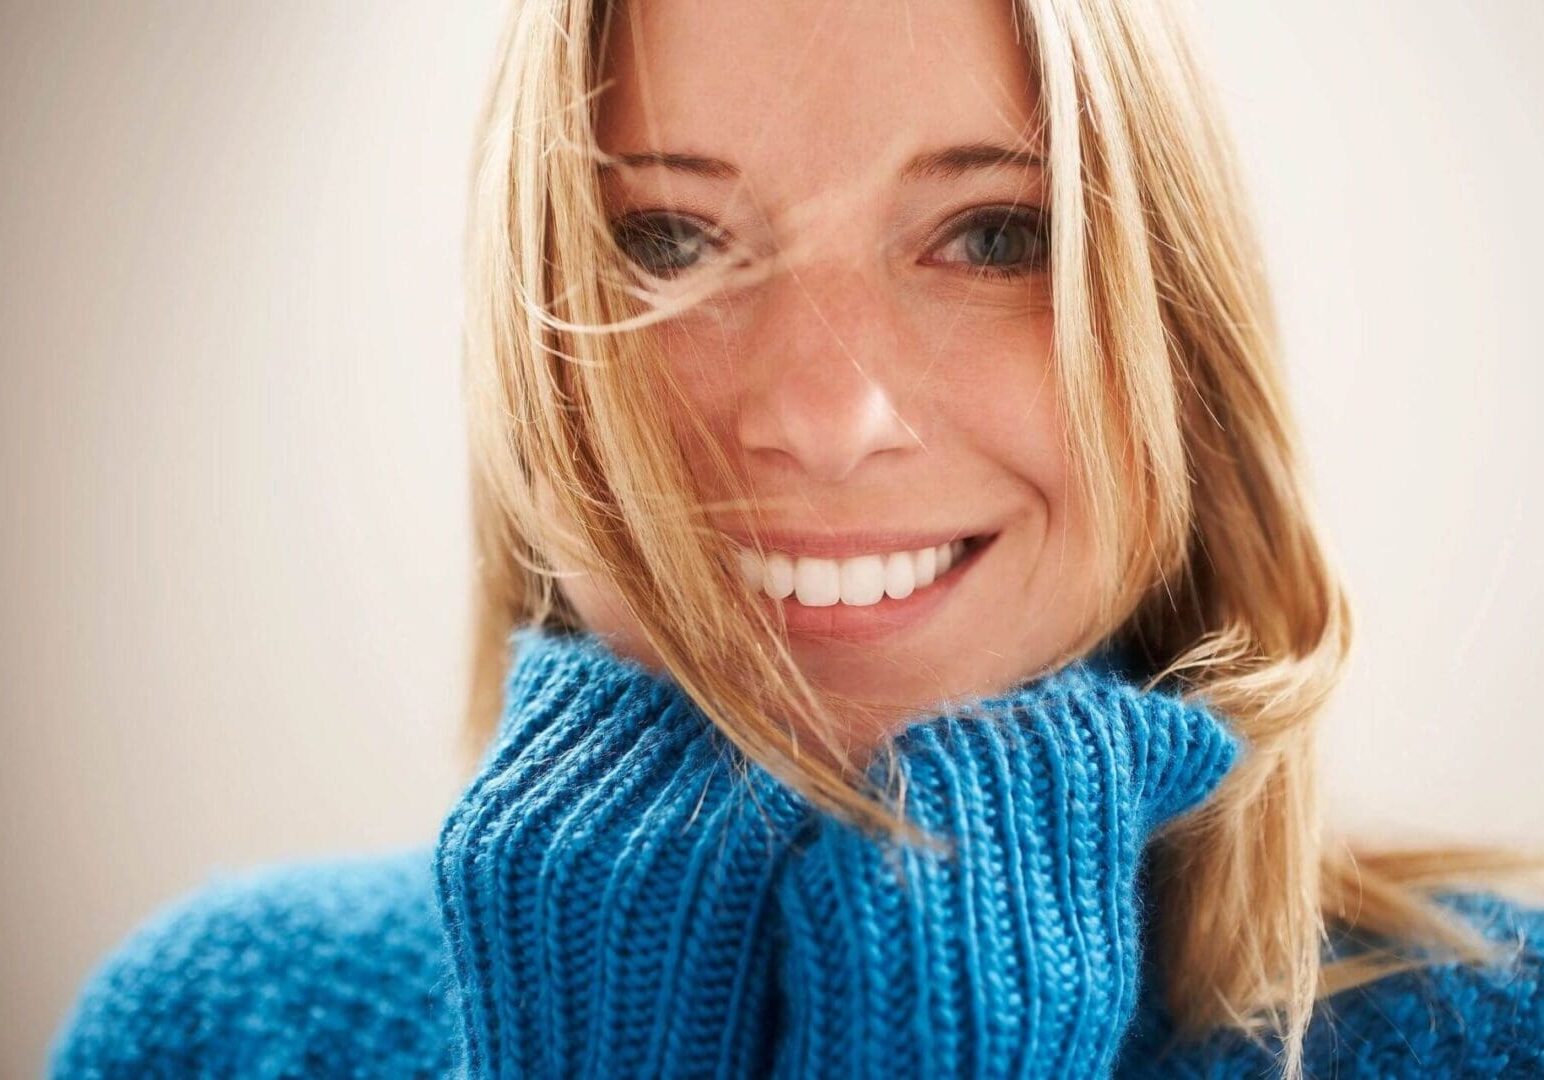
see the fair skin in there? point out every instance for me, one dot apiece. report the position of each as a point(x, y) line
point(895, 373)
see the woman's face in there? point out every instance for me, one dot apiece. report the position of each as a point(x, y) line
point(888, 387)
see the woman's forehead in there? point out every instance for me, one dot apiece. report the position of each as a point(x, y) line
point(814, 87)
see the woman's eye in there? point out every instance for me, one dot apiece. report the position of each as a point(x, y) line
point(1002, 242)
point(662, 244)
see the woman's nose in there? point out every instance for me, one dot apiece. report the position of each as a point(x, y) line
point(817, 393)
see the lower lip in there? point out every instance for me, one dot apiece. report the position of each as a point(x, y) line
point(846, 622)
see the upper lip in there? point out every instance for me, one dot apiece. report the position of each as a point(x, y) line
point(841, 545)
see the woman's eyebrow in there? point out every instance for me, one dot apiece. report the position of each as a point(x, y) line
point(947, 164)
point(956, 161)
point(710, 168)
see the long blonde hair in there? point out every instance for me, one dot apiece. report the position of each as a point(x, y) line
point(1179, 423)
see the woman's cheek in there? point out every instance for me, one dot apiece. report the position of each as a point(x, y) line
point(1000, 388)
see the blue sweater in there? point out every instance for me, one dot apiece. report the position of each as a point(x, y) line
point(618, 893)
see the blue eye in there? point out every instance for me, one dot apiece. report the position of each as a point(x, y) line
point(1003, 241)
point(662, 244)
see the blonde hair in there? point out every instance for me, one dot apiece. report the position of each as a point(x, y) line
point(1179, 423)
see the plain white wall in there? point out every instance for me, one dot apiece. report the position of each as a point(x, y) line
point(233, 591)
point(1396, 153)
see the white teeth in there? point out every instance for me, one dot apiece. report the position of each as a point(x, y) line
point(779, 577)
point(900, 575)
point(927, 566)
point(817, 582)
point(750, 569)
point(858, 581)
point(863, 580)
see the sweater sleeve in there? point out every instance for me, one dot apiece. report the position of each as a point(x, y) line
point(604, 879)
point(1017, 955)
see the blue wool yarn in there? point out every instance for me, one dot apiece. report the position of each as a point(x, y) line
point(618, 893)
point(1018, 957)
point(605, 877)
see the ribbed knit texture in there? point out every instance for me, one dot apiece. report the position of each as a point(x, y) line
point(605, 879)
point(1019, 957)
point(615, 894)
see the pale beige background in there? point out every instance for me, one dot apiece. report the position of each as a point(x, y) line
point(232, 596)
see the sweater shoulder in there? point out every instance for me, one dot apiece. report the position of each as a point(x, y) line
point(1441, 1019)
point(1451, 1018)
point(318, 967)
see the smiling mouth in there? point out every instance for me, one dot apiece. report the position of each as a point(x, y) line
point(860, 580)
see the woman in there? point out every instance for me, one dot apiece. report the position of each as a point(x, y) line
point(901, 630)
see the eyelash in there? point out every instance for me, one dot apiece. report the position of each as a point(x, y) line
point(664, 225)
point(661, 225)
point(999, 219)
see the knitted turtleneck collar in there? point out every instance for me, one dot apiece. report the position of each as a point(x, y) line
point(621, 902)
